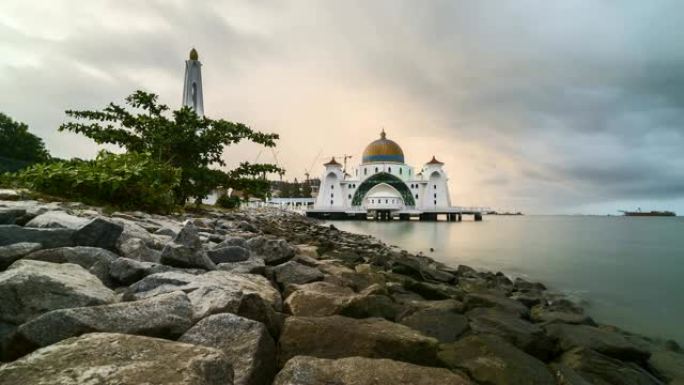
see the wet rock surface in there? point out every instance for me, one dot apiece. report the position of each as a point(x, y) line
point(103, 358)
point(362, 371)
point(275, 298)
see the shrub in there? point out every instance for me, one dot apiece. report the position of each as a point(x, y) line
point(228, 202)
point(127, 181)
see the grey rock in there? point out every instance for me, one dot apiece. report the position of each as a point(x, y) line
point(108, 358)
point(372, 338)
point(317, 299)
point(128, 271)
point(9, 215)
point(137, 249)
point(253, 265)
point(561, 311)
point(228, 254)
point(187, 250)
point(440, 320)
point(10, 253)
point(93, 259)
point(291, 272)
point(232, 241)
point(529, 337)
point(602, 341)
point(363, 371)
point(373, 305)
point(49, 238)
point(57, 220)
point(99, 232)
point(491, 360)
point(598, 369)
point(246, 343)
point(29, 288)
point(567, 376)
point(9, 195)
point(668, 364)
point(274, 251)
point(224, 281)
point(166, 231)
point(165, 316)
point(474, 300)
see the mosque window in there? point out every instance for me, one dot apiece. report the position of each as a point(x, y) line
point(416, 196)
point(409, 172)
point(434, 186)
point(435, 202)
point(435, 195)
point(389, 169)
point(376, 169)
point(386, 201)
point(331, 202)
point(349, 196)
point(365, 171)
point(372, 200)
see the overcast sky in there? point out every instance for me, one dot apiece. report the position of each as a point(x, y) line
point(573, 106)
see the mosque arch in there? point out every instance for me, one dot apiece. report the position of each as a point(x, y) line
point(388, 179)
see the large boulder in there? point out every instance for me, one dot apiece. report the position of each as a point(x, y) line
point(302, 370)
point(106, 358)
point(560, 311)
point(10, 215)
point(474, 300)
point(599, 369)
point(438, 319)
point(492, 360)
point(600, 340)
point(57, 220)
point(93, 259)
point(337, 337)
point(291, 272)
point(137, 249)
point(98, 232)
point(317, 299)
point(527, 336)
point(29, 288)
point(252, 265)
point(49, 238)
point(10, 253)
point(227, 254)
point(224, 281)
point(247, 344)
point(274, 251)
point(164, 316)
point(127, 271)
point(669, 365)
point(187, 250)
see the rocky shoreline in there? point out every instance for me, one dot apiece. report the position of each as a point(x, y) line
point(260, 297)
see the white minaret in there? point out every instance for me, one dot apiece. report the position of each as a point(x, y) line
point(192, 89)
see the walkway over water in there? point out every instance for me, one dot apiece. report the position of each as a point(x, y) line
point(449, 214)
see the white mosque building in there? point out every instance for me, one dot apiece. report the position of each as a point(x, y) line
point(384, 187)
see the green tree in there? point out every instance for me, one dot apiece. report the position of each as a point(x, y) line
point(18, 146)
point(180, 138)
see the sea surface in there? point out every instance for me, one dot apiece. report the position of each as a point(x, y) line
point(626, 271)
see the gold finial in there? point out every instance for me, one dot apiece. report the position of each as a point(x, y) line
point(382, 133)
point(193, 54)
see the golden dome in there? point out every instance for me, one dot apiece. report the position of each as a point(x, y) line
point(383, 150)
point(193, 54)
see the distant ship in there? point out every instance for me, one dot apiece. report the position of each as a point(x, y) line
point(640, 213)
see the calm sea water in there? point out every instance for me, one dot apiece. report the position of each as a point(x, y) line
point(628, 272)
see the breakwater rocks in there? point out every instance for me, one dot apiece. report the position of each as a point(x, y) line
point(267, 297)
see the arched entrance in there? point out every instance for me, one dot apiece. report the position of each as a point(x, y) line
point(383, 178)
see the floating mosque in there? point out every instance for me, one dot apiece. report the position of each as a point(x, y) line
point(384, 187)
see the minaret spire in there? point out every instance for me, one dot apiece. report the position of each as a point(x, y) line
point(192, 88)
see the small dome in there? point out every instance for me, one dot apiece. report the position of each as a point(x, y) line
point(193, 54)
point(383, 150)
point(434, 161)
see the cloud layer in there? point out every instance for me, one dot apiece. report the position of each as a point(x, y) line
point(533, 105)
